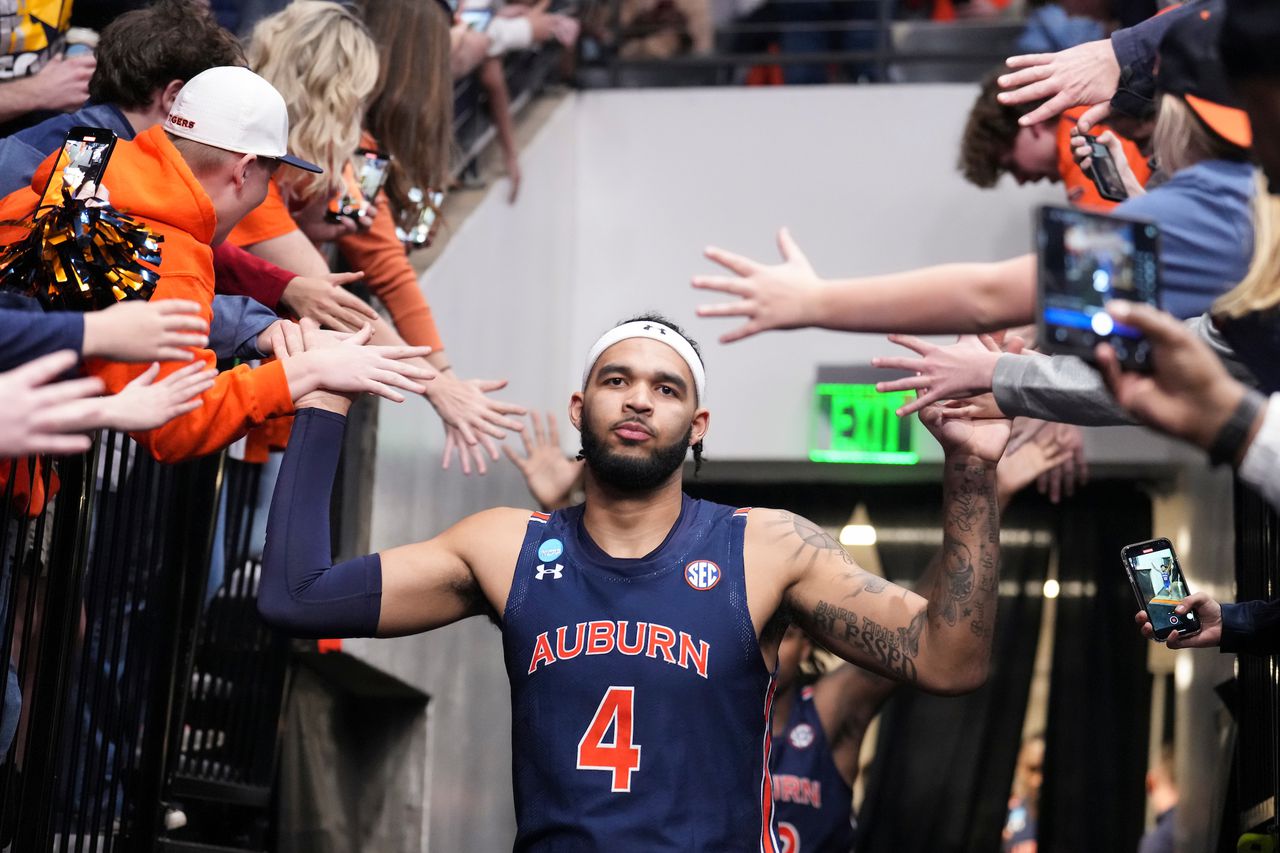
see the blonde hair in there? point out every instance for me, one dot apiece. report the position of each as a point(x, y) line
point(320, 57)
point(1180, 139)
point(1259, 290)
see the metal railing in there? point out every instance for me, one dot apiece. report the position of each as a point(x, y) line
point(796, 41)
point(1258, 676)
point(98, 619)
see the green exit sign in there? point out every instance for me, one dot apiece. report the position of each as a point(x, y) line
point(853, 422)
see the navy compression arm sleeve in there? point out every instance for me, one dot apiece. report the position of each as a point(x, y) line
point(301, 593)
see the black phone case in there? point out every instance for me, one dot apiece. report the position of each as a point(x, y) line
point(1098, 150)
point(1160, 635)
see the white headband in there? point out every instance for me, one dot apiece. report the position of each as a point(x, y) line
point(656, 332)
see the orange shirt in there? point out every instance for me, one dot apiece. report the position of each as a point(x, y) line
point(1079, 186)
point(267, 221)
point(149, 180)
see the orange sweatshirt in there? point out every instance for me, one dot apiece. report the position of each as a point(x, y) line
point(149, 180)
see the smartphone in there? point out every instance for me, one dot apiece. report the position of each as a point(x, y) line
point(476, 19)
point(424, 231)
point(1159, 586)
point(372, 168)
point(1103, 172)
point(1085, 260)
point(80, 165)
point(350, 202)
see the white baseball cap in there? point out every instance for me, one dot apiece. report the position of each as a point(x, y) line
point(232, 108)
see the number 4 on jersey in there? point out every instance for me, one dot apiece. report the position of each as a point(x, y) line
point(620, 757)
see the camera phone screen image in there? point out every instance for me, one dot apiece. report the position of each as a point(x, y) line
point(1087, 259)
point(350, 201)
point(80, 167)
point(1162, 587)
point(372, 169)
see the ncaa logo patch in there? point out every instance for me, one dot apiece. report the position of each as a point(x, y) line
point(550, 550)
point(802, 736)
point(702, 575)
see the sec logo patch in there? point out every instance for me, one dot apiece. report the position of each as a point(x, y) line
point(702, 574)
point(802, 736)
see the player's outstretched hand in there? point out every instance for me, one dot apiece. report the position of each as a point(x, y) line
point(472, 419)
point(953, 372)
point(982, 438)
point(1188, 394)
point(782, 296)
point(41, 415)
point(549, 474)
point(1084, 75)
point(136, 331)
point(1210, 613)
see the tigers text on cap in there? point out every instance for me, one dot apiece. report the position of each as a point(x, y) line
point(1190, 66)
point(236, 110)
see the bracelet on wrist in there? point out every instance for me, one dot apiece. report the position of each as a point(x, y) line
point(1230, 439)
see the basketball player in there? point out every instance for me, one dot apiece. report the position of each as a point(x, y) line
point(641, 628)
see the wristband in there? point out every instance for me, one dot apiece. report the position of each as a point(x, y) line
point(1231, 438)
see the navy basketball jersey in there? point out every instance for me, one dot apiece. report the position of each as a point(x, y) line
point(815, 804)
point(640, 700)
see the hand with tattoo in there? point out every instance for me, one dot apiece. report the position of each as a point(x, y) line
point(983, 439)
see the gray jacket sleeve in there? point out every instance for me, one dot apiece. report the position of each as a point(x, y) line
point(237, 322)
point(1066, 389)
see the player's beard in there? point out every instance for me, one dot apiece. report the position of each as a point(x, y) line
point(625, 473)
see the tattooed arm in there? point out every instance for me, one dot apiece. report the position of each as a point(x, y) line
point(939, 638)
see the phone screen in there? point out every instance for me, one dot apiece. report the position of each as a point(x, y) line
point(422, 233)
point(1105, 175)
point(477, 19)
point(81, 164)
point(1085, 260)
point(1160, 586)
point(371, 169)
point(350, 201)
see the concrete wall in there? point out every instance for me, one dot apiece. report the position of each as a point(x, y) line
point(621, 192)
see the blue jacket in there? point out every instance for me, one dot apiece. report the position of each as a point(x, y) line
point(1252, 627)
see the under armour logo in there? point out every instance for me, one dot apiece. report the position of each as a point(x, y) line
point(555, 573)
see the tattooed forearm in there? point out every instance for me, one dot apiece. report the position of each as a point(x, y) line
point(956, 582)
point(809, 539)
point(893, 649)
point(964, 591)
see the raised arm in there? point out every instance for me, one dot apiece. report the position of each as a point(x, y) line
point(401, 591)
point(941, 642)
point(969, 297)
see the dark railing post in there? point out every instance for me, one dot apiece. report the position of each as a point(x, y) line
point(55, 647)
point(190, 521)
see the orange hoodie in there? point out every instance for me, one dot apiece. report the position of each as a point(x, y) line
point(148, 179)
